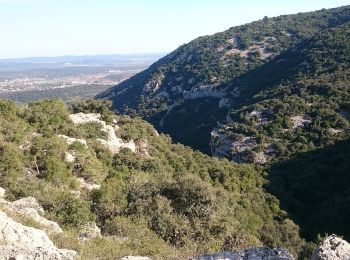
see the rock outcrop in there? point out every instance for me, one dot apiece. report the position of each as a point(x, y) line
point(113, 142)
point(135, 258)
point(332, 248)
point(90, 230)
point(254, 253)
point(22, 242)
point(18, 241)
point(30, 208)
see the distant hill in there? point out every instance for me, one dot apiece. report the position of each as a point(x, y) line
point(227, 89)
point(85, 58)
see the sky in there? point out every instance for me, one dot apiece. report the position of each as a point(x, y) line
point(31, 28)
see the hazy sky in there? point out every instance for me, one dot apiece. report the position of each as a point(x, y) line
point(77, 27)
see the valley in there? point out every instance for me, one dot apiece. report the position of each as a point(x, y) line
point(235, 145)
point(69, 78)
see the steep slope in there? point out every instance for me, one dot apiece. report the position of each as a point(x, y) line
point(300, 101)
point(88, 167)
point(188, 91)
point(314, 188)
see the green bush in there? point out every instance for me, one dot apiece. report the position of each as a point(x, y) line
point(47, 116)
point(68, 210)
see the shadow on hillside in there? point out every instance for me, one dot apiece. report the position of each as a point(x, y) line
point(314, 188)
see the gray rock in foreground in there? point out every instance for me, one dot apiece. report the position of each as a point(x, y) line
point(332, 248)
point(22, 242)
point(254, 253)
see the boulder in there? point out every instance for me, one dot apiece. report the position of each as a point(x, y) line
point(28, 202)
point(254, 253)
point(267, 253)
point(332, 248)
point(22, 242)
point(49, 226)
point(221, 256)
point(90, 230)
point(30, 208)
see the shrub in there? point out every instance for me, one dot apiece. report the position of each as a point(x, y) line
point(68, 210)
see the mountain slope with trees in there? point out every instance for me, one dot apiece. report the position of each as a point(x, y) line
point(273, 93)
point(187, 92)
point(300, 101)
point(314, 188)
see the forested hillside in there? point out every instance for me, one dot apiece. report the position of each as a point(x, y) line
point(187, 92)
point(300, 101)
point(274, 93)
point(149, 196)
point(314, 188)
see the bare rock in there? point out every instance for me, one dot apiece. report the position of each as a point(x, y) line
point(113, 142)
point(267, 253)
point(254, 253)
point(49, 226)
point(332, 248)
point(221, 256)
point(69, 158)
point(299, 121)
point(135, 258)
point(89, 186)
point(30, 208)
point(28, 202)
point(90, 230)
point(83, 118)
point(71, 140)
point(22, 242)
point(2, 193)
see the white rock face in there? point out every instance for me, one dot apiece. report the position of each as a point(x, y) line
point(2, 193)
point(49, 226)
point(90, 230)
point(135, 258)
point(260, 158)
point(113, 142)
point(254, 253)
point(18, 241)
point(204, 91)
point(154, 82)
point(89, 186)
point(299, 121)
point(28, 202)
point(70, 158)
point(21, 242)
point(332, 248)
point(71, 140)
point(30, 208)
point(82, 118)
point(335, 131)
point(170, 108)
